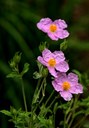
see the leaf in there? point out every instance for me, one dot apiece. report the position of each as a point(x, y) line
point(13, 75)
point(6, 112)
point(63, 46)
point(37, 75)
point(25, 69)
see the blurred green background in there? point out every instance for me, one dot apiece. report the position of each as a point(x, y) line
point(18, 32)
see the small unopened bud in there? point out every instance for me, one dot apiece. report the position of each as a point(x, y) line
point(45, 72)
point(17, 57)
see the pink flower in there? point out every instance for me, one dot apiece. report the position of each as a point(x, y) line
point(54, 29)
point(53, 61)
point(67, 85)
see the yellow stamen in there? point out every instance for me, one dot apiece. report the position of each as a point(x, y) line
point(53, 27)
point(52, 62)
point(66, 85)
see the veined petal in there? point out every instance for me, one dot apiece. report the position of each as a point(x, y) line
point(62, 66)
point(56, 86)
point(47, 54)
point(61, 34)
point(61, 23)
point(59, 56)
point(44, 24)
point(41, 60)
point(52, 36)
point(73, 77)
point(76, 89)
point(52, 71)
point(66, 95)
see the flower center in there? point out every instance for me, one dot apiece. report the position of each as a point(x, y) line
point(52, 62)
point(66, 85)
point(53, 27)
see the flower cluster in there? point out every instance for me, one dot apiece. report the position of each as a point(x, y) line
point(55, 61)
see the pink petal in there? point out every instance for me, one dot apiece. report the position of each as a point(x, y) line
point(59, 56)
point(41, 60)
point(61, 34)
point(61, 23)
point(52, 71)
point(47, 55)
point(73, 77)
point(52, 36)
point(76, 89)
point(56, 86)
point(62, 66)
point(66, 95)
point(44, 24)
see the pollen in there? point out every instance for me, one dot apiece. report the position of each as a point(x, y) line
point(53, 27)
point(52, 62)
point(66, 85)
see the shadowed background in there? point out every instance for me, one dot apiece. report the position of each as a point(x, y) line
point(18, 32)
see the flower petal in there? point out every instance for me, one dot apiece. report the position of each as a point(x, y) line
point(52, 71)
point(61, 34)
point(73, 77)
point(59, 56)
point(66, 95)
point(47, 54)
point(41, 60)
point(52, 36)
point(44, 24)
point(62, 66)
point(56, 86)
point(76, 89)
point(61, 23)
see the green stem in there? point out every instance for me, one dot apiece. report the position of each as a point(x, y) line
point(23, 92)
point(36, 95)
point(53, 101)
point(36, 90)
point(73, 111)
point(79, 122)
point(66, 118)
point(49, 97)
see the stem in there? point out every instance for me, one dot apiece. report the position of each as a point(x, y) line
point(49, 97)
point(79, 122)
point(53, 101)
point(73, 111)
point(23, 92)
point(36, 90)
point(66, 119)
point(39, 90)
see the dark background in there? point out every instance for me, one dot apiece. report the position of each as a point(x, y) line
point(18, 32)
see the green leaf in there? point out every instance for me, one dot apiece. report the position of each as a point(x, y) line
point(13, 75)
point(6, 112)
point(63, 46)
point(25, 69)
point(37, 75)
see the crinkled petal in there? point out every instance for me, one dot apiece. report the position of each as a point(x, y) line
point(41, 60)
point(76, 89)
point(52, 71)
point(44, 24)
point(47, 55)
point(66, 95)
point(61, 23)
point(61, 77)
point(52, 35)
point(59, 56)
point(73, 77)
point(61, 34)
point(56, 86)
point(62, 66)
